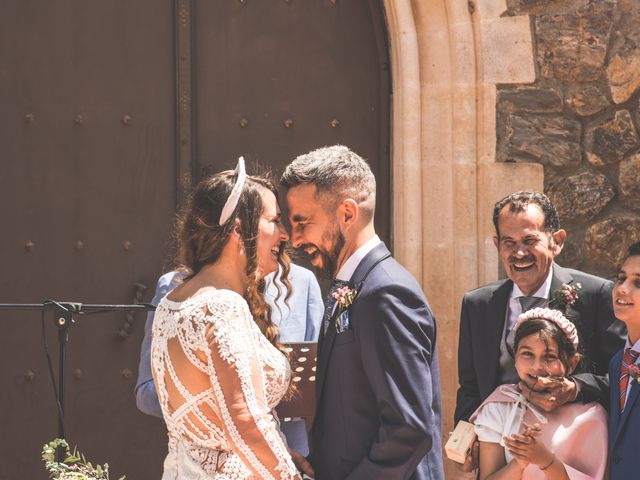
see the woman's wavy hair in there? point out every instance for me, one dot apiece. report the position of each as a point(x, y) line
point(201, 239)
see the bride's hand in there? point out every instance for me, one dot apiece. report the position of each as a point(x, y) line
point(301, 462)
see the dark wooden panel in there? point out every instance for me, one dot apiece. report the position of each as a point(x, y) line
point(306, 61)
point(87, 135)
point(89, 153)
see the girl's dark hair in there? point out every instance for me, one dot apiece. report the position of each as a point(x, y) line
point(201, 239)
point(547, 330)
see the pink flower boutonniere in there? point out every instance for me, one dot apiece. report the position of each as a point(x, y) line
point(565, 296)
point(345, 297)
point(634, 373)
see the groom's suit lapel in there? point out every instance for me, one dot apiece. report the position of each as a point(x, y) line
point(374, 257)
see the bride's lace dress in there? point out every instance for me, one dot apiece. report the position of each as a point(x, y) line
point(218, 379)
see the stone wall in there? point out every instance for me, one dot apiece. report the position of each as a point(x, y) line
point(580, 119)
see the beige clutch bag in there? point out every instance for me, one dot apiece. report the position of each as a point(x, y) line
point(460, 442)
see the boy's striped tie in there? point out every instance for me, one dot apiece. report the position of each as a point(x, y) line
point(629, 358)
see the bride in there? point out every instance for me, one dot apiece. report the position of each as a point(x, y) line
point(217, 364)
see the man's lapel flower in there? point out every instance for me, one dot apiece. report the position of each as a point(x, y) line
point(565, 296)
point(634, 373)
point(344, 296)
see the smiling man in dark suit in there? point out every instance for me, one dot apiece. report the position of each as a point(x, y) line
point(528, 238)
point(377, 396)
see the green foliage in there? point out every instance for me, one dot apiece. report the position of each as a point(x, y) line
point(74, 466)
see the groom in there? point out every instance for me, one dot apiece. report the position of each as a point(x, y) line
point(377, 393)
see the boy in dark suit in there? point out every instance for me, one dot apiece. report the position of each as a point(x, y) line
point(624, 373)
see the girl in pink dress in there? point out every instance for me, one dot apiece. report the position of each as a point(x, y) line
point(517, 440)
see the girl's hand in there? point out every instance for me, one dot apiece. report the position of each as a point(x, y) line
point(515, 448)
point(526, 448)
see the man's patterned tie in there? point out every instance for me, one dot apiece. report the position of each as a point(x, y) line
point(330, 302)
point(527, 303)
point(629, 358)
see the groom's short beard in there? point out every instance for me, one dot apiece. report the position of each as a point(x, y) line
point(330, 258)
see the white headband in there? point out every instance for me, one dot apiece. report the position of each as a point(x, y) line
point(232, 202)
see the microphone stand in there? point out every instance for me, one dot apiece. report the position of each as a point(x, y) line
point(63, 319)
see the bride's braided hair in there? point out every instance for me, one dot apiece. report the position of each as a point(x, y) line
point(201, 239)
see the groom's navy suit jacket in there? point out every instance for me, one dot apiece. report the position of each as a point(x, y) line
point(624, 430)
point(378, 412)
point(482, 321)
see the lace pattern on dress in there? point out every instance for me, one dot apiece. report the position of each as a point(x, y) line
point(218, 324)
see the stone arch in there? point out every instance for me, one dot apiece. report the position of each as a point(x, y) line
point(447, 57)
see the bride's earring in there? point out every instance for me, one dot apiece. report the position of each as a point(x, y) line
point(242, 251)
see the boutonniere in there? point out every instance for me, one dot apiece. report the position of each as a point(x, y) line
point(565, 296)
point(634, 373)
point(344, 296)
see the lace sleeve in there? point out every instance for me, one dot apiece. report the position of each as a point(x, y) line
point(238, 383)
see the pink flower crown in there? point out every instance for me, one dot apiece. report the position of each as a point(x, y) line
point(554, 316)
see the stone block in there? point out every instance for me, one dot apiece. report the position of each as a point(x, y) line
point(581, 196)
point(587, 99)
point(571, 255)
point(623, 70)
point(607, 241)
point(539, 7)
point(629, 181)
point(507, 50)
point(609, 141)
point(547, 140)
point(531, 99)
point(623, 73)
point(573, 46)
point(490, 8)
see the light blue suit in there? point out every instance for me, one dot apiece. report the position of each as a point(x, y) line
point(299, 321)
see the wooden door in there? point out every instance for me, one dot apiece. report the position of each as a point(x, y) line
point(87, 194)
point(277, 79)
point(110, 111)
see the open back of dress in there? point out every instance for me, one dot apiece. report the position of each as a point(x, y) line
point(218, 379)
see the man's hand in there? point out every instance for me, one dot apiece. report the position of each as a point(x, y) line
point(473, 459)
point(550, 392)
point(301, 463)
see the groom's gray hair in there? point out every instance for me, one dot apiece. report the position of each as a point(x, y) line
point(337, 173)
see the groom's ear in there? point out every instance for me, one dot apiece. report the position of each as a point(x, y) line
point(348, 212)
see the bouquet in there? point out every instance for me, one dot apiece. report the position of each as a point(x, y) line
point(74, 466)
